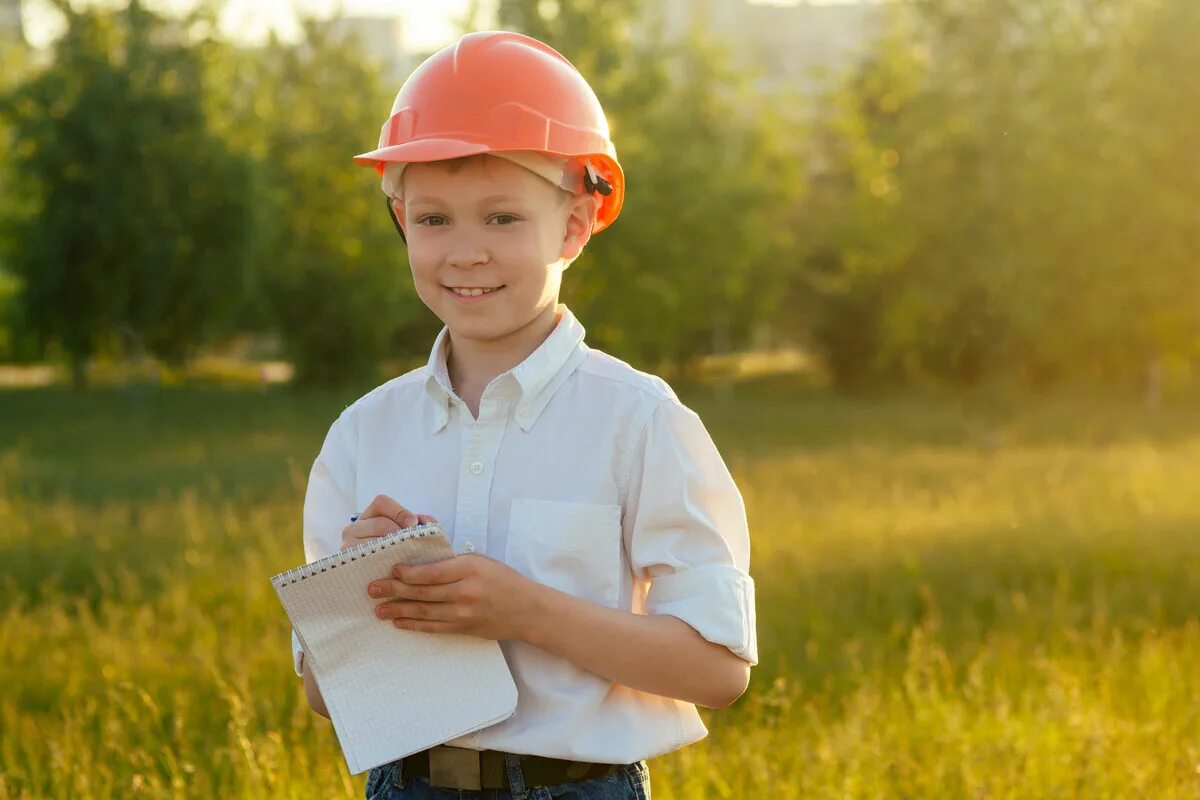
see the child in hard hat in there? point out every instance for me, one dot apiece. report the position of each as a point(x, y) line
point(600, 538)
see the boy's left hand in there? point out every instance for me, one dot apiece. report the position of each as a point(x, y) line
point(470, 594)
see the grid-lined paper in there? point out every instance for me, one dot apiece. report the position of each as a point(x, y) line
point(390, 692)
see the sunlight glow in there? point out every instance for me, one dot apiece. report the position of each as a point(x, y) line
point(427, 26)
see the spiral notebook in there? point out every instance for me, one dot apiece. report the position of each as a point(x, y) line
point(390, 692)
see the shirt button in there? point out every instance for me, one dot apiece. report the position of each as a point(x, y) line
point(525, 411)
point(470, 547)
point(476, 467)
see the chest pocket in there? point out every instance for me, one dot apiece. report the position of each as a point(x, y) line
point(572, 547)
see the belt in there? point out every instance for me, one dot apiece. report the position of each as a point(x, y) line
point(463, 768)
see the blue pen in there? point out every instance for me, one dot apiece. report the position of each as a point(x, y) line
point(354, 517)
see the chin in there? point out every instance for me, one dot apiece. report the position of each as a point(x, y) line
point(485, 330)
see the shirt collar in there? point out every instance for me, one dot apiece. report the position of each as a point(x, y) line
point(536, 378)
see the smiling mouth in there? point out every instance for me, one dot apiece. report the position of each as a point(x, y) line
point(473, 291)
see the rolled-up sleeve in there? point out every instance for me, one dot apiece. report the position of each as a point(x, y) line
point(686, 531)
point(328, 502)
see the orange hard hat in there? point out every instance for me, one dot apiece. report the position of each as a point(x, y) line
point(498, 91)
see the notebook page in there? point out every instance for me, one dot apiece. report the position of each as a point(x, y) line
point(392, 692)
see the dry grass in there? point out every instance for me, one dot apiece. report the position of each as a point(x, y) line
point(986, 598)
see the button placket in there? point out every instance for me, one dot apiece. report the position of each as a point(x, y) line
point(481, 439)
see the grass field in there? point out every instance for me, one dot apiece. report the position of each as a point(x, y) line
point(982, 597)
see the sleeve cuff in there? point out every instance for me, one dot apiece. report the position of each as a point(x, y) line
point(715, 599)
point(297, 654)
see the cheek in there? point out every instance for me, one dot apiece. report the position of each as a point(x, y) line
point(424, 272)
point(421, 260)
point(534, 247)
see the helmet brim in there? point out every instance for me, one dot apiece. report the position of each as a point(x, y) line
point(424, 150)
point(418, 151)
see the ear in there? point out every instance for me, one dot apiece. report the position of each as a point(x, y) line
point(581, 216)
point(395, 209)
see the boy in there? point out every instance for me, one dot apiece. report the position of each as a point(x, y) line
point(600, 538)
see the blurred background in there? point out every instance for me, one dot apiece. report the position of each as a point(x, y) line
point(928, 191)
point(928, 269)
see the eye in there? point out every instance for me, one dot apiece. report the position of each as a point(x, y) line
point(504, 219)
point(432, 220)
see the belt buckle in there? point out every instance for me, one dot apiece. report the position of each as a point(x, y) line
point(454, 767)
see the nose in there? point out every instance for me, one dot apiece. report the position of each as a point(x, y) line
point(467, 251)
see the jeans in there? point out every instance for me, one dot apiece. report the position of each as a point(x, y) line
point(630, 782)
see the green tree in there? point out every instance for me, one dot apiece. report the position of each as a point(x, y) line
point(855, 244)
point(1154, 226)
point(133, 214)
point(1008, 194)
point(13, 66)
point(334, 276)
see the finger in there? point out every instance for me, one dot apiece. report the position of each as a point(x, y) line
point(445, 571)
point(434, 593)
point(369, 528)
point(384, 506)
point(443, 612)
point(365, 529)
point(426, 625)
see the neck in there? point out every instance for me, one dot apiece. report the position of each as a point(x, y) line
point(472, 363)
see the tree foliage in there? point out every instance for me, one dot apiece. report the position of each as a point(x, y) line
point(1012, 194)
point(132, 222)
point(334, 273)
point(1001, 187)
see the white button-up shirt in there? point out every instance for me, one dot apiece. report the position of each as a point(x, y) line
point(581, 473)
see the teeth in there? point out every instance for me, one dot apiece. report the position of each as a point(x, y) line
point(470, 292)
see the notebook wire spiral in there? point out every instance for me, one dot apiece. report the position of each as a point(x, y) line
point(332, 561)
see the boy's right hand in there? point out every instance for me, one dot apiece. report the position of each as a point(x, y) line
point(383, 516)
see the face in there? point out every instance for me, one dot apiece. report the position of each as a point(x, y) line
point(487, 243)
